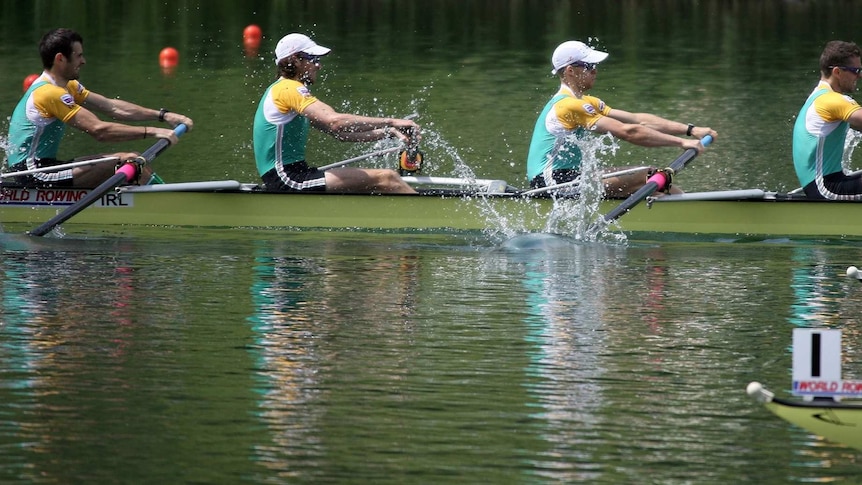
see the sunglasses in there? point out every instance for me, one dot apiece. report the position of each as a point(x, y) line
point(308, 57)
point(586, 65)
point(855, 70)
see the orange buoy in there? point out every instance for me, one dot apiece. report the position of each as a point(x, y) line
point(29, 80)
point(169, 57)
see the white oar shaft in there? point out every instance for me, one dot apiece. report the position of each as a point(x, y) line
point(57, 168)
point(448, 181)
point(362, 157)
point(554, 187)
point(577, 181)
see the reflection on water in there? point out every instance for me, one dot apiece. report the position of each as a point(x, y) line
point(565, 324)
point(821, 295)
point(287, 359)
point(818, 289)
point(585, 350)
point(301, 357)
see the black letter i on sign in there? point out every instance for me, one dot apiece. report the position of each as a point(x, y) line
point(815, 355)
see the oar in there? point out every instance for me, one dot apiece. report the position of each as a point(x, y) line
point(577, 181)
point(368, 155)
point(64, 166)
point(124, 174)
point(657, 182)
point(361, 157)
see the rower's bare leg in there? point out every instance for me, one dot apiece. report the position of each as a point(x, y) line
point(623, 186)
point(89, 176)
point(366, 180)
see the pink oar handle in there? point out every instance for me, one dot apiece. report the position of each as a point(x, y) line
point(660, 180)
point(129, 170)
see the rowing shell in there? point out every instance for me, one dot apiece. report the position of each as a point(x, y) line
point(479, 205)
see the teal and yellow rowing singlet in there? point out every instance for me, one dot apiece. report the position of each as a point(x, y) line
point(39, 120)
point(819, 134)
point(280, 130)
point(564, 115)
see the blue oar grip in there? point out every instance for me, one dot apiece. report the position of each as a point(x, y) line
point(180, 129)
point(703, 141)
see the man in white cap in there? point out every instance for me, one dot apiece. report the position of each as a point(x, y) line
point(286, 111)
point(555, 158)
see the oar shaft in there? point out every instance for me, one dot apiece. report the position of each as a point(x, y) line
point(362, 157)
point(577, 181)
point(657, 181)
point(634, 199)
point(124, 174)
point(82, 204)
point(57, 168)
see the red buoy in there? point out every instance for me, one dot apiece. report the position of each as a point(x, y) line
point(169, 57)
point(251, 37)
point(29, 80)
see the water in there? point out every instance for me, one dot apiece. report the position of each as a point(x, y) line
point(168, 355)
point(352, 357)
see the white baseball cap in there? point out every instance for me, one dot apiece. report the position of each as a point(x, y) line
point(290, 44)
point(573, 51)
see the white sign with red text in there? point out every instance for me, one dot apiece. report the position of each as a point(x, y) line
point(59, 197)
point(817, 364)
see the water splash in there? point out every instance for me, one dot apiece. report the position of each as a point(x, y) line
point(850, 143)
point(4, 141)
point(569, 216)
point(573, 217)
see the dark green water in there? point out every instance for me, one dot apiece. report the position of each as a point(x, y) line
point(183, 356)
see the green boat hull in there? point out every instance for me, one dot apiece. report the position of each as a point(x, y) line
point(738, 213)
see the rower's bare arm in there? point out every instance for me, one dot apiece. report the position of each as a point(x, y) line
point(350, 127)
point(638, 134)
point(650, 121)
point(125, 111)
point(661, 124)
point(101, 130)
point(118, 109)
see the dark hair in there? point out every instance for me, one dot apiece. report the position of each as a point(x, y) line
point(838, 53)
point(57, 41)
point(287, 67)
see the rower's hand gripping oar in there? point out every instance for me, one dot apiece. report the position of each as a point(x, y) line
point(658, 181)
point(126, 173)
